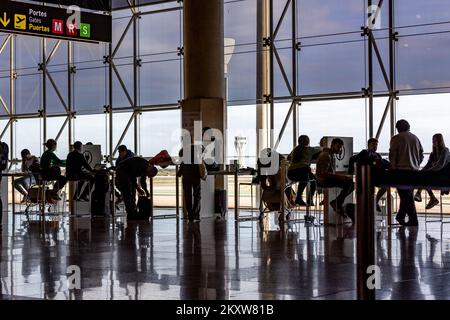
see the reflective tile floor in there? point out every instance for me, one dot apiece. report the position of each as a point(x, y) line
point(167, 259)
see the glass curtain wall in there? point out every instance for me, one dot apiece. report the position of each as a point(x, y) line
point(323, 80)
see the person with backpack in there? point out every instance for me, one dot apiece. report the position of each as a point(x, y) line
point(31, 168)
point(51, 170)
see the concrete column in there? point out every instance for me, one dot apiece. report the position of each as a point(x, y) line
point(204, 78)
point(262, 80)
point(262, 75)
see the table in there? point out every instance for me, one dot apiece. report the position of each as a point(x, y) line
point(236, 173)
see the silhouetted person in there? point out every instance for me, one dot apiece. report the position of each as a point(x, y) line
point(77, 168)
point(300, 169)
point(328, 178)
point(51, 170)
point(439, 159)
point(406, 153)
point(127, 174)
point(372, 157)
point(190, 171)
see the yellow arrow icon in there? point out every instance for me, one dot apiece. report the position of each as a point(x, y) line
point(4, 21)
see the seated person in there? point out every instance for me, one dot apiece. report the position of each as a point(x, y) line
point(327, 177)
point(270, 178)
point(300, 170)
point(75, 164)
point(30, 167)
point(124, 154)
point(370, 156)
point(439, 159)
point(126, 179)
point(51, 170)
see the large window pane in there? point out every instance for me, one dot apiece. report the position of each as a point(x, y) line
point(90, 89)
point(28, 135)
point(159, 33)
point(28, 93)
point(241, 78)
point(160, 82)
point(330, 16)
point(55, 128)
point(240, 21)
point(91, 128)
point(341, 118)
point(160, 130)
point(331, 68)
point(422, 62)
point(28, 52)
point(409, 12)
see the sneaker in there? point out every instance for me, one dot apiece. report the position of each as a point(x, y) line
point(433, 202)
point(418, 197)
point(400, 221)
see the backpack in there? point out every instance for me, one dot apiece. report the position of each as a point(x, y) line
point(4, 155)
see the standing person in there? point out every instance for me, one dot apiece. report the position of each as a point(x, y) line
point(127, 173)
point(439, 158)
point(372, 157)
point(406, 153)
point(51, 170)
point(78, 169)
point(300, 169)
point(190, 171)
point(31, 168)
point(328, 178)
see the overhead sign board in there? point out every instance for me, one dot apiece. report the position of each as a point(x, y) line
point(100, 5)
point(70, 23)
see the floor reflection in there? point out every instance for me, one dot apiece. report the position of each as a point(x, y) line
point(215, 259)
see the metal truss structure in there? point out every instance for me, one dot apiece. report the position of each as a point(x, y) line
point(373, 58)
point(66, 100)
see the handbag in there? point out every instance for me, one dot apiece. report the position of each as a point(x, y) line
point(202, 170)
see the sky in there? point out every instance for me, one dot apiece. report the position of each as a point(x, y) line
point(324, 66)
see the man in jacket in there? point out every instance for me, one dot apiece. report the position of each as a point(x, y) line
point(127, 174)
point(78, 169)
point(406, 153)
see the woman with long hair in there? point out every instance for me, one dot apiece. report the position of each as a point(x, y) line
point(439, 158)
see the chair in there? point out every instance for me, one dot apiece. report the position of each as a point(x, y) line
point(308, 217)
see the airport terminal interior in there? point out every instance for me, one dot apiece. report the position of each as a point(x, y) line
point(247, 77)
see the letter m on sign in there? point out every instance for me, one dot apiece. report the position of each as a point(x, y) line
point(58, 26)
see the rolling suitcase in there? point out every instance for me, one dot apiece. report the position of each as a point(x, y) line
point(145, 208)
